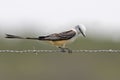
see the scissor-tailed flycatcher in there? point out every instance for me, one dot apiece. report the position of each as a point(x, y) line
point(58, 39)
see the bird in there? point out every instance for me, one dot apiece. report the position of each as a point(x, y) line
point(58, 39)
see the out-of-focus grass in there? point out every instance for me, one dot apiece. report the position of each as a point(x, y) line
point(46, 66)
point(59, 66)
point(78, 44)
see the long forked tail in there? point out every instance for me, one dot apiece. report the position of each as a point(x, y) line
point(19, 37)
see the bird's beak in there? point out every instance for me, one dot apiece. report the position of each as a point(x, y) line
point(84, 35)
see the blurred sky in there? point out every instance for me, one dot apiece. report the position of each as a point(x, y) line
point(101, 17)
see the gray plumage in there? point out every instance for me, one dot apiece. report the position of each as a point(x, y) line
point(59, 36)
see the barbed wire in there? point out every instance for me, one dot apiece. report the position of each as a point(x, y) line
point(56, 51)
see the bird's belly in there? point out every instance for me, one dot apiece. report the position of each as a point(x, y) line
point(58, 43)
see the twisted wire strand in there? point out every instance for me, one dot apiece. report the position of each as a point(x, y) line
point(55, 51)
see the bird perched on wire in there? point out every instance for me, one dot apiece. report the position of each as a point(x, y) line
point(58, 39)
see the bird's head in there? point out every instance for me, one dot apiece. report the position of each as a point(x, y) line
point(81, 29)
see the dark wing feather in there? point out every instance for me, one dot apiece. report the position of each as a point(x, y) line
point(61, 36)
point(67, 35)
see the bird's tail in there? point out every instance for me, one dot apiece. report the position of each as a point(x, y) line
point(19, 37)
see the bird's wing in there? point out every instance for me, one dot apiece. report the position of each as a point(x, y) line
point(59, 36)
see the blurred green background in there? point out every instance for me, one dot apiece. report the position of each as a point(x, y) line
point(41, 17)
point(59, 66)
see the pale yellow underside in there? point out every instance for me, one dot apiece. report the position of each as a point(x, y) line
point(59, 43)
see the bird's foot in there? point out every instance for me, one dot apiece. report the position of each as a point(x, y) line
point(68, 50)
point(62, 49)
point(65, 50)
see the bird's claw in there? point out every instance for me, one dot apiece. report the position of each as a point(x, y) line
point(65, 50)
